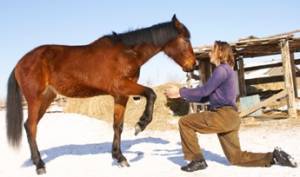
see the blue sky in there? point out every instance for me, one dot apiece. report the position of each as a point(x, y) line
point(28, 24)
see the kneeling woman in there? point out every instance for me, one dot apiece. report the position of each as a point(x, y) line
point(222, 118)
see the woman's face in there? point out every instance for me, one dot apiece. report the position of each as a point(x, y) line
point(213, 59)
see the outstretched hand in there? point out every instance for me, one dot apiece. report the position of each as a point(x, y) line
point(172, 92)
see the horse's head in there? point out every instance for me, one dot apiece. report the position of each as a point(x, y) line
point(180, 48)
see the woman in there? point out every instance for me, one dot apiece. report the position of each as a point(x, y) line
point(222, 118)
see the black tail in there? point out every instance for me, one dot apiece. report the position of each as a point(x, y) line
point(14, 112)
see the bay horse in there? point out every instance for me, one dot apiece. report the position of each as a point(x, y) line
point(110, 65)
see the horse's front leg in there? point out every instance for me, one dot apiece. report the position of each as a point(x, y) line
point(129, 87)
point(119, 109)
point(146, 118)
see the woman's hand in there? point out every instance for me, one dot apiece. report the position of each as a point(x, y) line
point(172, 92)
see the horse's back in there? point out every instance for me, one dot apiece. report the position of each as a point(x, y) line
point(74, 71)
point(78, 71)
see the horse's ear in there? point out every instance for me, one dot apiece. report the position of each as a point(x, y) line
point(114, 33)
point(174, 18)
point(176, 22)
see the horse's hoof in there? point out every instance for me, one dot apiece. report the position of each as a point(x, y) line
point(138, 129)
point(41, 171)
point(124, 163)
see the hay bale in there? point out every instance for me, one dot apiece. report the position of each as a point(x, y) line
point(101, 107)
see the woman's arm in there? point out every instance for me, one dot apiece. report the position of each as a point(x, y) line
point(196, 94)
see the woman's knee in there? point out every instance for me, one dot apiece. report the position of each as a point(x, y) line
point(182, 121)
point(234, 161)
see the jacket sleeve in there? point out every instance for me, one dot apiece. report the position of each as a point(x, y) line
point(196, 94)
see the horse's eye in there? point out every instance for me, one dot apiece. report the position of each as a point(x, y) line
point(187, 40)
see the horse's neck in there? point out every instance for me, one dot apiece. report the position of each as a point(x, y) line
point(146, 52)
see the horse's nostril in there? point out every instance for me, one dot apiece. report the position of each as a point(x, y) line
point(196, 67)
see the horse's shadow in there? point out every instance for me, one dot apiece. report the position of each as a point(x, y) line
point(174, 155)
point(97, 148)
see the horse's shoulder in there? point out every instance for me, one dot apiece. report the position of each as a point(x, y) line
point(50, 51)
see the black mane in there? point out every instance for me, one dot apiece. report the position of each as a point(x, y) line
point(157, 34)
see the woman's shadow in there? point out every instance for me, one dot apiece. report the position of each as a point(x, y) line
point(176, 156)
point(97, 148)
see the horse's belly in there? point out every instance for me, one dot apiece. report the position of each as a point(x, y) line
point(77, 91)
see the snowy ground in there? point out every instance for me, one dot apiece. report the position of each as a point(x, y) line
point(77, 146)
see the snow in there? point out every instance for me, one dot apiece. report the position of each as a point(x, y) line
point(76, 146)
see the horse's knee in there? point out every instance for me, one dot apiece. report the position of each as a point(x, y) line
point(150, 94)
point(118, 127)
point(153, 95)
point(30, 128)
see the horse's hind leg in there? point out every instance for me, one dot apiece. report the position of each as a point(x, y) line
point(36, 109)
point(119, 109)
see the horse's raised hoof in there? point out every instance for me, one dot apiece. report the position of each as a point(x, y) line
point(124, 163)
point(138, 129)
point(41, 171)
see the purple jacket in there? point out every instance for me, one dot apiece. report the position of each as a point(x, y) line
point(219, 90)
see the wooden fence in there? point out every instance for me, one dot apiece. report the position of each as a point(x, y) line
point(285, 44)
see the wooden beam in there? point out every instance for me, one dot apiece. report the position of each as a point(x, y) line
point(241, 77)
point(263, 80)
point(293, 69)
point(202, 70)
point(253, 68)
point(288, 78)
point(264, 103)
point(270, 79)
point(205, 69)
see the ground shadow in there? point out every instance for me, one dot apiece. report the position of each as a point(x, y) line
point(176, 156)
point(97, 148)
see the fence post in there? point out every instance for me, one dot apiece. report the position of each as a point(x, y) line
point(288, 78)
point(241, 76)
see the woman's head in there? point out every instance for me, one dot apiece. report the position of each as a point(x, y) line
point(222, 53)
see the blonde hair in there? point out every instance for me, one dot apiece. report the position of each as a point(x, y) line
point(222, 52)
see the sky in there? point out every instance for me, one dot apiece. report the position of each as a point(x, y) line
point(28, 24)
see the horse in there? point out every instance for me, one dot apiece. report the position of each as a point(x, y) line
point(109, 65)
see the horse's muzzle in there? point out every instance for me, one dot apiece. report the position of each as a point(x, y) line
point(189, 65)
point(189, 68)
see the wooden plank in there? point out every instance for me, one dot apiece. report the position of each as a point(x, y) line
point(202, 71)
point(253, 68)
point(241, 77)
point(263, 103)
point(263, 80)
point(287, 33)
point(288, 78)
point(270, 79)
point(264, 39)
point(275, 116)
point(293, 69)
point(207, 71)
